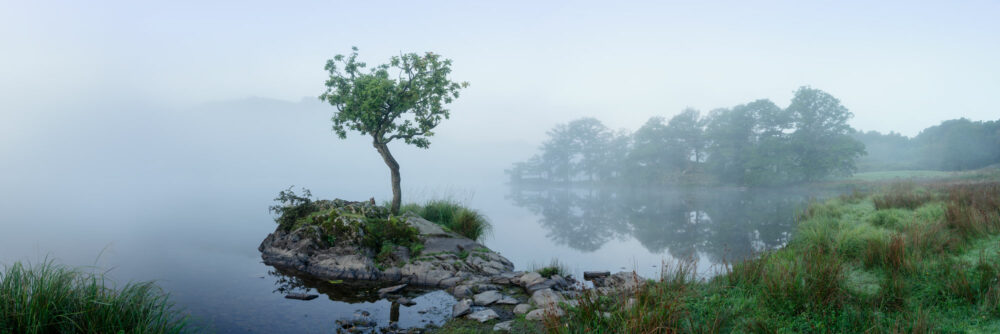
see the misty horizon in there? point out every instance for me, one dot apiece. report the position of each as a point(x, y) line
point(203, 147)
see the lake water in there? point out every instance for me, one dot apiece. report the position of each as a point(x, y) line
point(200, 244)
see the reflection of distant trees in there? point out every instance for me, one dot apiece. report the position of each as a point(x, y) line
point(722, 223)
point(581, 219)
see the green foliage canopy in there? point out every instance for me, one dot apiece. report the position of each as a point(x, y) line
point(374, 102)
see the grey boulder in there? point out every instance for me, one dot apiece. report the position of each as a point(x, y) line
point(484, 315)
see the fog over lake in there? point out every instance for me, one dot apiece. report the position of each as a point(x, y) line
point(149, 140)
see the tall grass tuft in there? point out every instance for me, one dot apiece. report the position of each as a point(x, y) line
point(441, 211)
point(893, 292)
point(891, 254)
point(853, 197)
point(553, 268)
point(470, 223)
point(974, 209)
point(454, 216)
point(901, 196)
point(53, 298)
point(810, 282)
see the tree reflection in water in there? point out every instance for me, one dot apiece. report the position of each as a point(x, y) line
point(289, 281)
point(722, 223)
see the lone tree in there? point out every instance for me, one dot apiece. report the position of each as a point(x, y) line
point(404, 105)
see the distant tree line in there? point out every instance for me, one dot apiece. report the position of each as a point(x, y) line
point(953, 145)
point(756, 143)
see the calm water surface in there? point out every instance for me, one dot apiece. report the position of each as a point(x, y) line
point(200, 244)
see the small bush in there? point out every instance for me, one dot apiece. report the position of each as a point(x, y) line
point(292, 207)
point(53, 298)
point(379, 233)
point(334, 226)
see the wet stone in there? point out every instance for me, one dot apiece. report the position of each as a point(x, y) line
point(507, 300)
point(461, 308)
point(487, 298)
point(503, 326)
point(392, 289)
point(484, 315)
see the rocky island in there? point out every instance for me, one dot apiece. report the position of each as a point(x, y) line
point(362, 241)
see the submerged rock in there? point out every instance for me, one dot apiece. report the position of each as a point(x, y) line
point(360, 322)
point(406, 301)
point(301, 296)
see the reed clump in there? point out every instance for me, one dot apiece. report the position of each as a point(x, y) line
point(48, 297)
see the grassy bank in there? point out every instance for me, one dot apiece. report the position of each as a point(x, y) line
point(52, 298)
point(904, 258)
point(988, 173)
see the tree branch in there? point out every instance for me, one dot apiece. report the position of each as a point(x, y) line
point(404, 137)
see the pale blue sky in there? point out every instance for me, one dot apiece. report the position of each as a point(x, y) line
point(897, 65)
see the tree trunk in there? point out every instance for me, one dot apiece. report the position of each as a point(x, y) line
point(383, 149)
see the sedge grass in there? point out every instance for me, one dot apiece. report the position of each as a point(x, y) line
point(47, 297)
